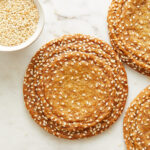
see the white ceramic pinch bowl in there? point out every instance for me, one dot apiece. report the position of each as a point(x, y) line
point(31, 39)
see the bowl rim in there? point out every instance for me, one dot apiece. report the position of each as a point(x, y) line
point(31, 39)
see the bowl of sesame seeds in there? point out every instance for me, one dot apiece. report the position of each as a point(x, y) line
point(21, 24)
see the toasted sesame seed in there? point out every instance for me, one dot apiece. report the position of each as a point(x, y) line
point(19, 19)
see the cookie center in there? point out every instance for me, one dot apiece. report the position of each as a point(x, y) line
point(78, 90)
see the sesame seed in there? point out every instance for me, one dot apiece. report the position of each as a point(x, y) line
point(20, 25)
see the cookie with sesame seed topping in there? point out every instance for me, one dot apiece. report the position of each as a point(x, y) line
point(136, 126)
point(75, 86)
point(129, 31)
point(75, 91)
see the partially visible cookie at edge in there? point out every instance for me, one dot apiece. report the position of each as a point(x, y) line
point(129, 31)
point(136, 126)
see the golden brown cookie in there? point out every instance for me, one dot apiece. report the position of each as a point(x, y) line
point(129, 31)
point(75, 86)
point(137, 122)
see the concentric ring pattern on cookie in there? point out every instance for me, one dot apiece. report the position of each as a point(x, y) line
point(137, 122)
point(75, 86)
point(129, 31)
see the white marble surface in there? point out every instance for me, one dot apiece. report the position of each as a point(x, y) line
point(17, 130)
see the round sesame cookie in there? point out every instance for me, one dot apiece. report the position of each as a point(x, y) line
point(74, 91)
point(137, 122)
point(74, 103)
point(129, 30)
